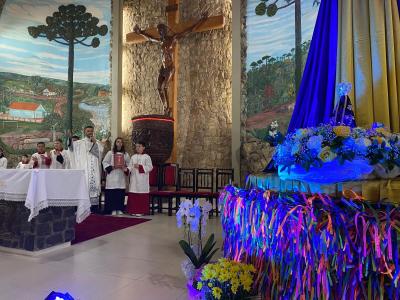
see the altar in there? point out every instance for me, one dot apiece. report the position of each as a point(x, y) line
point(39, 208)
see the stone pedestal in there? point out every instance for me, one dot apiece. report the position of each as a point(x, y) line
point(53, 226)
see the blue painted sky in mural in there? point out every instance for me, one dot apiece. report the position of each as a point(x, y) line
point(20, 53)
point(275, 35)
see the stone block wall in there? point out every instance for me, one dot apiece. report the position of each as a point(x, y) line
point(53, 226)
point(204, 81)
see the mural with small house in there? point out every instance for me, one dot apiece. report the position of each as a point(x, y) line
point(33, 80)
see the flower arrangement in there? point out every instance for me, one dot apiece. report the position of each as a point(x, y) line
point(193, 218)
point(313, 147)
point(226, 279)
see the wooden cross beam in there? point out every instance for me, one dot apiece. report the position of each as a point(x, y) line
point(216, 22)
point(172, 11)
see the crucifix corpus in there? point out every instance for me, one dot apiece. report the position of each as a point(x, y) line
point(167, 35)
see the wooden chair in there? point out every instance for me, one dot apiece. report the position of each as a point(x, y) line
point(205, 185)
point(168, 182)
point(224, 177)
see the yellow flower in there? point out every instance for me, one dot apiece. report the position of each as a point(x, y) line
point(341, 130)
point(234, 288)
point(326, 154)
point(217, 292)
point(210, 285)
point(383, 131)
point(199, 285)
point(380, 139)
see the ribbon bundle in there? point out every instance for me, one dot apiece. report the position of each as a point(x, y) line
point(314, 247)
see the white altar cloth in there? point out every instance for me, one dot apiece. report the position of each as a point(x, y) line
point(41, 188)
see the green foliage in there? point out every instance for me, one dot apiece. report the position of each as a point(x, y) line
point(272, 9)
point(259, 133)
point(270, 81)
point(261, 9)
point(53, 120)
point(206, 254)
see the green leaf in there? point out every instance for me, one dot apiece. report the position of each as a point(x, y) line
point(261, 9)
point(208, 246)
point(189, 253)
point(272, 9)
point(204, 254)
point(208, 258)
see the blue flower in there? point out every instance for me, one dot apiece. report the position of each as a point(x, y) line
point(361, 145)
point(315, 142)
point(349, 144)
point(376, 125)
point(296, 148)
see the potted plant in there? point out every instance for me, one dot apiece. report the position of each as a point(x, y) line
point(226, 279)
point(193, 218)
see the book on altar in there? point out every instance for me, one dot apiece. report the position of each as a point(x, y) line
point(119, 160)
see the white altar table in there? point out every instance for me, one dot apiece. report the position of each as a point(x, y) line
point(42, 188)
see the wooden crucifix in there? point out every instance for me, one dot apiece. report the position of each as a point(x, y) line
point(167, 35)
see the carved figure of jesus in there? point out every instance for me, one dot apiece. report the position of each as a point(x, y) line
point(168, 43)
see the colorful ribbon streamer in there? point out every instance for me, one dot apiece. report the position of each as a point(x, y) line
point(314, 247)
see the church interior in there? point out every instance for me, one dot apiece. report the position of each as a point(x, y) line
point(199, 149)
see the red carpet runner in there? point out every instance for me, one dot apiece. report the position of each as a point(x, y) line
point(97, 225)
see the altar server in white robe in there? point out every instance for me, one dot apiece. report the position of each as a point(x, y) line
point(115, 164)
point(3, 160)
point(140, 167)
point(59, 156)
point(86, 154)
point(41, 159)
point(25, 163)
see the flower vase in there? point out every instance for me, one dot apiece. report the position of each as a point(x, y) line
point(188, 269)
point(193, 293)
point(383, 173)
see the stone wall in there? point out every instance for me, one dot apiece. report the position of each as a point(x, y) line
point(204, 81)
point(53, 226)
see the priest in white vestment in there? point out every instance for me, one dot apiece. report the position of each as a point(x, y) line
point(86, 154)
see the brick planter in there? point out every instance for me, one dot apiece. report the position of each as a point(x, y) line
point(53, 226)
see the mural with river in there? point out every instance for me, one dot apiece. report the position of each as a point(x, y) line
point(33, 78)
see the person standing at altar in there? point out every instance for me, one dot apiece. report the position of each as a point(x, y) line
point(86, 154)
point(59, 157)
point(3, 160)
point(139, 187)
point(24, 163)
point(115, 165)
point(41, 159)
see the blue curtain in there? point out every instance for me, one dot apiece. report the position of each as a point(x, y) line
point(315, 100)
point(398, 5)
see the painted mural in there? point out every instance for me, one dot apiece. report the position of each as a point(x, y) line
point(278, 40)
point(33, 77)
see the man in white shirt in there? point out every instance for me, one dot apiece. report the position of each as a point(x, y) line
point(86, 154)
point(3, 160)
point(59, 157)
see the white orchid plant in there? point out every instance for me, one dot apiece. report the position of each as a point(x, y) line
point(192, 217)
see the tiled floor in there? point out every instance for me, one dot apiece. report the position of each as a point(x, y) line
point(140, 262)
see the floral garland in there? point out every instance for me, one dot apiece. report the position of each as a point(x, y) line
point(312, 147)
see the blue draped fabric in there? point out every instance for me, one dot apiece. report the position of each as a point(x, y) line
point(398, 5)
point(315, 100)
